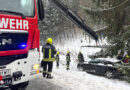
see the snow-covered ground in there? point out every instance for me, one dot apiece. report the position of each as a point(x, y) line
point(79, 80)
point(75, 80)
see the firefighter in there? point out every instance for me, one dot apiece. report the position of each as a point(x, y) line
point(127, 59)
point(48, 51)
point(80, 57)
point(57, 59)
point(67, 60)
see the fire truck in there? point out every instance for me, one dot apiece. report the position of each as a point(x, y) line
point(19, 39)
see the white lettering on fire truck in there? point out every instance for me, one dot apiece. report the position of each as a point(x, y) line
point(13, 23)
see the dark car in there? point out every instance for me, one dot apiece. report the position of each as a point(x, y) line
point(101, 67)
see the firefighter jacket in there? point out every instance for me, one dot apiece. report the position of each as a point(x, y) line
point(68, 57)
point(80, 57)
point(57, 58)
point(126, 60)
point(48, 51)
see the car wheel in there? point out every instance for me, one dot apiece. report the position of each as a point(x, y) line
point(80, 68)
point(109, 74)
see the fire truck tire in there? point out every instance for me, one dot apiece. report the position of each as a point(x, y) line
point(21, 86)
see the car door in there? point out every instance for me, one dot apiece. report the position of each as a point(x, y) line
point(89, 68)
point(100, 69)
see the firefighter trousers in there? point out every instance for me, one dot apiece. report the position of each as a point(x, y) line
point(47, 67)
point(67, 65)
point(57, 63)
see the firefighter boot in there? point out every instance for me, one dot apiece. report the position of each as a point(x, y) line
point(67, 67)
point(49, 76)
point(57, 67)
point(44, 74)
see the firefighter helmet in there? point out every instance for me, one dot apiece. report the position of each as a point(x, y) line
point(68, 51)
point(49, 40)
point(58, 53)
point(127, 56)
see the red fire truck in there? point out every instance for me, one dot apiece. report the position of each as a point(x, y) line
point(19, 39)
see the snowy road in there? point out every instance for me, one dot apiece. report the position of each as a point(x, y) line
point(43, 84)
point(76, 80)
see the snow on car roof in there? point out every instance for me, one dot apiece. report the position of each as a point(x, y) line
point(108, 59)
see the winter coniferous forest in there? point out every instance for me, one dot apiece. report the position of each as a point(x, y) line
point(114, 15)
point(109, 18)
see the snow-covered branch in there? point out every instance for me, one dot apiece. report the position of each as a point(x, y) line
point(100, 29)
point(123, 4)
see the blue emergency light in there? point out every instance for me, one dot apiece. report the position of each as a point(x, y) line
point(23, 45)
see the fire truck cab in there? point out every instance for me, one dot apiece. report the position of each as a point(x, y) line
point(19, 41)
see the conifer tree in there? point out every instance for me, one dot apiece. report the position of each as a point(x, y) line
point(55, 24)
point(116, 16)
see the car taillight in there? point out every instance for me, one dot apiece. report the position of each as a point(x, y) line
point(1, 77)
point(118, 69)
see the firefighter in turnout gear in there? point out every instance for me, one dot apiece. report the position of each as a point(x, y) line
point(80, 57)
point(48, 51)
point(57, 59)
point(126, 59)
point(67, 60)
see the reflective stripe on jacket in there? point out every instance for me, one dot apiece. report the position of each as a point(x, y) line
point(68, 57)
point(80, 57)
point(57, 58)
point(48, 52)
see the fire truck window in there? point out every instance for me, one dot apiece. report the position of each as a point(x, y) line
point(26, 7)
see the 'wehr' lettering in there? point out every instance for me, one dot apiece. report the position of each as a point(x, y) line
point(8, 23)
